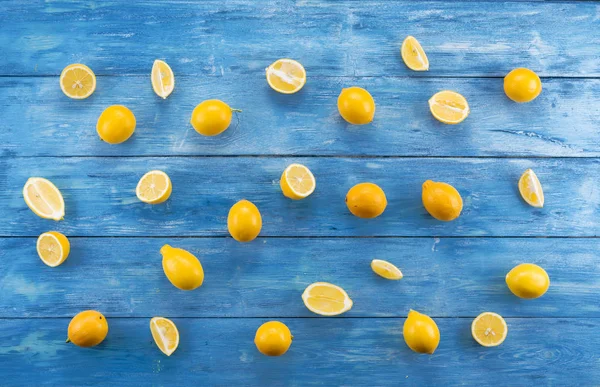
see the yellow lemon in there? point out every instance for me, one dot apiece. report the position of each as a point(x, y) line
point(449, 107)
point(44, 199)
point(386, 269)
point(286, 76)
point(531, 189)
point(421, 333)
point(522, 85)
point(77, 81)
point(116, 124)
point(356, 105)
point(273, 338)
point(441, 200)
point(366, 200)
point(87, 329)
point(326, 299)
point(528, 281)
point(154, 187)
point(182, 268)
point(297, 182)
point(162, 78)
point(413, 55)
point(53, 248)
point(212, 117)
point(244, 221)
point(489, 329)
point(165, 334)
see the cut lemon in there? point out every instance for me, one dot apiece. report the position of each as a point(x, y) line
point(449, 107)
point(386, 269)
point(286, 76)
point(154, 187)
point(297, 182)
point(77, 81)
point(413, 55)
point(53, 248)
point(165, 334)
point(44, 199)
point(531, 189)
point(326, 299)
point(163, 79)
point(489, 329)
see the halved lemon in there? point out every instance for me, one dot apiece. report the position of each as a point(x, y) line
point(386, 269)
point(413, 55)
point(286, 76)
point(297, 182)
point(77, 81)
point(531, 189)
point(53, 248)
point(44, 199)
point(163, 79)
point(489, 329)
point(326, 299)
point(165, 334)
point(154, 187)
point(449, 107)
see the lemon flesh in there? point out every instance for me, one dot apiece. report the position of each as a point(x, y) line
point(154, 187)
point(297, 182)
point(326, 299)
point(165, 334)
point(386, 269)
point(53, 248)
point(449, 107)
point(286, 76)
point(44, 199)
point(531, 189)
point(77, 81)
point(413, 55)
point(489, 329)
point(162, 78)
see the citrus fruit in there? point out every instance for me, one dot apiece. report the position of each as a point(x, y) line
point(211, 117)
point(44, 199)
point(87, 329)
point(297, 182)
point(522, 85)
point(244, 221)
point(165, 334)
point(528, 281)
point(441, 200)
point(273, 338)
point(421, 333)
point(286, 76)
point(154, 187)
point(53, 248)
point(366, 200)
point(162, 78)
point(182, 268)
point(489, 329)
point(356, 105)
point(326, 299)
point(449, 107)
point(77, 81)
point(531, 189)
point(116, 124)
point(413, 55)
point(386, 269)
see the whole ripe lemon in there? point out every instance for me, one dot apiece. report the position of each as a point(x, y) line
point(366, 200)
point(211, 117)
point(182, 268)
point(273, 338)
point(441, 200)
point(116, 124)
point(421, 333)
point(522, 85)
point(87, 329)
point(356, 105)
point(244, 221)
point(528, 281)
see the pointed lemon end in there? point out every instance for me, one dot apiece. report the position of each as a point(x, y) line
point(165, 249)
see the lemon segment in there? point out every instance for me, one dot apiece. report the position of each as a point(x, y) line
point(53, 248)
point(154, 187)
point(77, 81)
point(531, 189)
point(163, 79)
point(326, 299)
point(165, 334)
point(413, 55)
point(449, 107)
point(286, 76)
point(297, 182)
point(489, 329)
point(386, 269)
point(44, 199)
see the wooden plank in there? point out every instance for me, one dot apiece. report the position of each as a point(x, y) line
point(123, 277)
point(100, 196)
point(342, 38)
point(40, 121)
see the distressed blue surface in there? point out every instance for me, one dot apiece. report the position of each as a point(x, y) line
point(452, 271)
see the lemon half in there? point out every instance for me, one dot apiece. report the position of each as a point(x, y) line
point(286, 76)
point(154, 187)
point(53, 248)
point(489, 329)
point(297, 182)
point(326, 299)
point(77, 81)
point(44, 199)
point(449, 107)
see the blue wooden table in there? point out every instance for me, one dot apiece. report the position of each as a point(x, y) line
point(219, 49)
